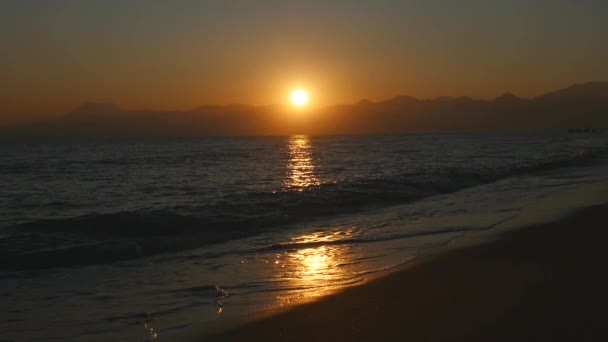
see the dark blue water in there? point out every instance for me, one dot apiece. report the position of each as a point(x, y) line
point(108, 239)
point(72, 194)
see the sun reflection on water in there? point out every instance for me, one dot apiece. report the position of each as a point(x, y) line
point(313, 264)
point(316, 267)
point(300, 167)
point(316, 271)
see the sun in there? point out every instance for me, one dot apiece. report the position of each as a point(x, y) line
point(299, 97)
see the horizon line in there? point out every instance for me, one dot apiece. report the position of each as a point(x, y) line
point(363, 100)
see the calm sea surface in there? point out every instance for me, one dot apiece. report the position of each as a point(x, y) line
point(144, 239)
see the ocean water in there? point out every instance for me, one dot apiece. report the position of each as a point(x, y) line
point(160, 239)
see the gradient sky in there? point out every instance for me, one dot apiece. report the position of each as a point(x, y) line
point(180, 54)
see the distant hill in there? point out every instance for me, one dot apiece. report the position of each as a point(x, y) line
point(93, 109)
point(580, 105)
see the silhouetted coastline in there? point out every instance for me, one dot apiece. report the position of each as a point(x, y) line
point(582, 105)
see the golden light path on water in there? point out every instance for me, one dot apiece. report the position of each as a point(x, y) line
point(314, 266)
point(313, 272)
point(300, 168)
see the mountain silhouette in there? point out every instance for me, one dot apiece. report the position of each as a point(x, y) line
point(507, 98)
point(94, 108)
point(580, 105)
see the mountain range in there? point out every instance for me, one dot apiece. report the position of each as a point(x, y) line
point(577, 106)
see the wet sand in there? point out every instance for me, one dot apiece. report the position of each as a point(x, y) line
point(544, 282)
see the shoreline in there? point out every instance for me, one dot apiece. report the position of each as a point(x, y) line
point(544, 281)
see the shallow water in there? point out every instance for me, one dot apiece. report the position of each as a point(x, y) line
point(150, 228)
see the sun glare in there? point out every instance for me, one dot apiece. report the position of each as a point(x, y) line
point(299, 97)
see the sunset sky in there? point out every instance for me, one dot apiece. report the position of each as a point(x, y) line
point(181, 54)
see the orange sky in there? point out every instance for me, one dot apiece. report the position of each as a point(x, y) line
point(179, 55)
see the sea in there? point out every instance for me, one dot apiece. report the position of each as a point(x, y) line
point(169, 239)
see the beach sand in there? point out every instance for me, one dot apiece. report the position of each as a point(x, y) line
point(544, 282)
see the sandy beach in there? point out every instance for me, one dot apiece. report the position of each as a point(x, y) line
point(544, 282)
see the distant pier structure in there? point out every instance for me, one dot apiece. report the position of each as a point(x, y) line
point(589, 130)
